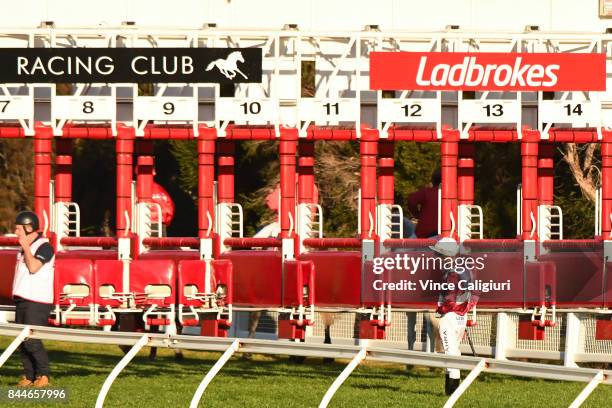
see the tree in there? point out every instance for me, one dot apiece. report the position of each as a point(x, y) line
point(16, 180)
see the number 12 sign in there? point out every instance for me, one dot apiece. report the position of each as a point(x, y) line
point(409, 110)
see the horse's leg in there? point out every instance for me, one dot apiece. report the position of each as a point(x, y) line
point(253, 323)
point(178, 353)
point(153, 351)
point(328, 320)
point(241, 73)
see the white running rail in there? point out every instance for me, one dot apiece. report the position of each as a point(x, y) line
point(355, 353)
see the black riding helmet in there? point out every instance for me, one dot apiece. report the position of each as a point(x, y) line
point(28, 218)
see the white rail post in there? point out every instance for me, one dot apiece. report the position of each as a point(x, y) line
point(482, 364)
point(359, 357)
point(572, 339)
point(502, 335)
point(118, 368)
point(584, 394)
point(25, 333)
point(213, 372)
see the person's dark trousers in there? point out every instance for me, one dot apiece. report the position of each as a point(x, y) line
point(33, 354)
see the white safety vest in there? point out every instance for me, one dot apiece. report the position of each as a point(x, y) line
point(37, 287)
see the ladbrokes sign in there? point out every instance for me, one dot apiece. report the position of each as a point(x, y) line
point(487, 71)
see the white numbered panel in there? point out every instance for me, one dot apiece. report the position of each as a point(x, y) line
point(409, 110)
point(16, 107)
point(328, 111)
point(245, 111)
point(83, 107)
point(577, 113)
point(490, 111)
point(164, 109)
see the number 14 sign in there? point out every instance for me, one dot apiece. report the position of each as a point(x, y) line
point(578, 113)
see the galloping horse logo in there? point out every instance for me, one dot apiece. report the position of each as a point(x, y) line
point(228, 66)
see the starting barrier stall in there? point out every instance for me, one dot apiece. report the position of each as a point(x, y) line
point(561, 291)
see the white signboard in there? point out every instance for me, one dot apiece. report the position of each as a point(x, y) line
point(16, 107)
point(578, 113)
point(253, 111)
point(165, 108)
point(409, 110)
point(328, 111)
point(490, 111)
point(83, 108)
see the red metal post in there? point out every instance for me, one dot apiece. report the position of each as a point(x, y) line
point(124, 148)
point(449, 151)
point(288, 149)
point(386, 190)
point(529, 153)
point(465, 174)
point(368, 149)
point(206, 181)
point(144, 171)
point(545, 174)
point(225, 179)
point(306, 184)
point(43, 139)
point(606, 189)
point(63, 170)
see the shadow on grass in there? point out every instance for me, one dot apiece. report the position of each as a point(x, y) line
point(99, 362)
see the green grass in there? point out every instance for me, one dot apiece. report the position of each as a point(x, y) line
point(274, 382)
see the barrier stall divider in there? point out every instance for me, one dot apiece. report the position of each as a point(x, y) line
point(213, 372)
point(482, 364)
point(25, 333)
point(584, 394)
point(359, 357)
point(143, 341)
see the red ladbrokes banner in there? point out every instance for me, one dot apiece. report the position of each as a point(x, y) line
point(462, 71)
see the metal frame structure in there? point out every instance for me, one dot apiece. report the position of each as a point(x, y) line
point(341, 95)
point(356, 354)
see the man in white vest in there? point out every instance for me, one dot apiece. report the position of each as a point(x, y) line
point(33, 295)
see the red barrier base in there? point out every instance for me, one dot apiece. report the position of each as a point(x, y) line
point(289, 329)
point(158, 321)
point(190, 322)
point(528, 331)
point(77, 322)
point(106, 322)
point(214, 327)
point(603, 329)
point(372, 329)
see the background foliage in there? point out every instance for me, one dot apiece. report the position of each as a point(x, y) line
point(497, 173)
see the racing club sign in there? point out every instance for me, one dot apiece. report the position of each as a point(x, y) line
point(129, 65)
